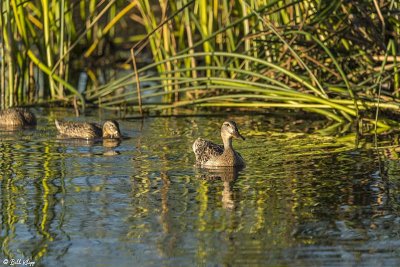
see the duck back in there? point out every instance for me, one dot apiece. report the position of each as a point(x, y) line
point(79, 129)
point(17, 117)
point(205, 150)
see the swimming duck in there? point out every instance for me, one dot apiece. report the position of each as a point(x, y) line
point(209, 154)
point(88, 130)
point(17, 117)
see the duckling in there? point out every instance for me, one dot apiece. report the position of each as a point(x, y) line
point(209, 154)
point(17, 117)
point(88, 130)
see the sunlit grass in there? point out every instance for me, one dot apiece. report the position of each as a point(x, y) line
point(333, 58)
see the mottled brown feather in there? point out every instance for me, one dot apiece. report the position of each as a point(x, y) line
point(204, 150)
point(209, 154)
point(79, 129)
point(17, 117)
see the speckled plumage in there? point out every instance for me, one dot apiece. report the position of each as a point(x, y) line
point(88, 130)
point(17, 117)
point(209, 154)
point(204, 150)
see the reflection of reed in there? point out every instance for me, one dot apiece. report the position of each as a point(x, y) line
point(26, 205)
point(46, 213)
point(164, 201)
point(8, 199)
point(216, 215)
point(169, 239)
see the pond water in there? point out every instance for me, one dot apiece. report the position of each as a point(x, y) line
point(304, 199)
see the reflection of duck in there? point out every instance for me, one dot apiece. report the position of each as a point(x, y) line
point(210, 154)
point(80, 142)
point(17, 117)
point(227, 175)
point(88, 130)
point(111, 143)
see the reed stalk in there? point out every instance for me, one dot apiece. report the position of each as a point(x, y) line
point(319, 56)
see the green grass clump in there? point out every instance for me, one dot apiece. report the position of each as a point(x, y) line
point(335, 58)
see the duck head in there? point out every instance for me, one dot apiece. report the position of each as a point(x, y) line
point(111, 130)
point(229, 130)
point(29, 117)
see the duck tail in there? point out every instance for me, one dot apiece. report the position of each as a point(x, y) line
point(57, 124)
point(196, 145)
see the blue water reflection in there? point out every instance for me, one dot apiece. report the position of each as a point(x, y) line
point(303, 200)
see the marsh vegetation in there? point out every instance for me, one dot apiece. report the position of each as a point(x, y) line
point(335, 58)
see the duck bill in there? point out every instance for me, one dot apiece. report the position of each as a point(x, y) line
point(238, 135)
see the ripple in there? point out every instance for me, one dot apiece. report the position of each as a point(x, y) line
point(303, 199)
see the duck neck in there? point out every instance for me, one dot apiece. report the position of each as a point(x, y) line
point(105, 133)
point(227, 142)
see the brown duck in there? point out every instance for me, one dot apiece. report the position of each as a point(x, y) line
point(209, 154)
point(87, 130)
point(17, 117)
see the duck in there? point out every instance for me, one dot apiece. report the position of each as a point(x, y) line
point(17, 117)
point(85, 130)
point(209, 154)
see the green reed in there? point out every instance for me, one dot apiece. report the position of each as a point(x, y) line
point(303, 40)
point(38, 41)
point(206, 54)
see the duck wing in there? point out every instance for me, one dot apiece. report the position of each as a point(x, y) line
point(10, 117)
point(17, 117)
point(29, 117)
point(204, 150)
point(79, 129)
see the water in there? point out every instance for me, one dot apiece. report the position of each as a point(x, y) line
point(304, 199)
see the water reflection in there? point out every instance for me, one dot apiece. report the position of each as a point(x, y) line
point(227, 176)
point(303, 199)
point(109, 145)
point(12, 129)
point(28, 200)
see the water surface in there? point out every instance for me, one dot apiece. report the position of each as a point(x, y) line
point(304, 199)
